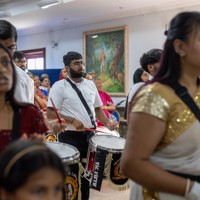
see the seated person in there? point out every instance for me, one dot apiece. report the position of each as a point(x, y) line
point(108, 106)
point(40, 100)
point(87, 76)
point(44, 85)
point(63, 74)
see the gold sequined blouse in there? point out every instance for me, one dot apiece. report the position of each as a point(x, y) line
point(161, 101)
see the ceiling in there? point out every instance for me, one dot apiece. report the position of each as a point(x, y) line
point(29, 18)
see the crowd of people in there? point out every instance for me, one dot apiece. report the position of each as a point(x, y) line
point(161, 154)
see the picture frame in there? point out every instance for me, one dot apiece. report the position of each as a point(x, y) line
point(105, 52)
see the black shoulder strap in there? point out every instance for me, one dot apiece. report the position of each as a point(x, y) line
point(187, 99)
point(15, 134)
point(83, 101)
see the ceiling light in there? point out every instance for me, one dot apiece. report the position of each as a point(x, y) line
point(67, 1)
point(48, 3)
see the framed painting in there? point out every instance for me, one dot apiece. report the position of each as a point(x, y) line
point(105, 54)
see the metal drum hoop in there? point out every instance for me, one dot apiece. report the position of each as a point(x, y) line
point(111, 150)
point(69, 159)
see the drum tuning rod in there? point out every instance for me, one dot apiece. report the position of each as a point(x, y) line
point(58, 116)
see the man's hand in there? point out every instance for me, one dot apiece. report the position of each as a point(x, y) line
point(112, 125)
point(55, 126)
point(78, 125)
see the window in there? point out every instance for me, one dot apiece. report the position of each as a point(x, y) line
point(36, 58)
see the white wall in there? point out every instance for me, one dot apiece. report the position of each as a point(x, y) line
point(144, 32)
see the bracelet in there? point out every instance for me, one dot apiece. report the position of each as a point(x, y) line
point(72, 120)
point(194, 193)
point(187, 188)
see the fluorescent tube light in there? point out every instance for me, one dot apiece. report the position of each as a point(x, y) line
point(47, 4)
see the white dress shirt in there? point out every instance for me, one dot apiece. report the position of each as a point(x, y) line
point(24, 91)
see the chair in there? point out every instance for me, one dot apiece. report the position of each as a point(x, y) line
point(116, 115)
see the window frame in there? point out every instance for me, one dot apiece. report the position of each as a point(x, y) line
point(34, 53)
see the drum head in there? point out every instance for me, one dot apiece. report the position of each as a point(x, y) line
point(108, 142)
point(68, 153)
point(106, 131)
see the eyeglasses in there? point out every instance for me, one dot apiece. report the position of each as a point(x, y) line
point(21, 61)
point(12, 47)
point(77, 64)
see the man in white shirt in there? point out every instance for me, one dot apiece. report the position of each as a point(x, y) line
point(25, 87)
point(150, 63)
point(74, 113)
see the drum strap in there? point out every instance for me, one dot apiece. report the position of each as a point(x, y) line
point(83, 101)
point(15, 134)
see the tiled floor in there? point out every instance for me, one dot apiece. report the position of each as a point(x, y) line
point(107, 193)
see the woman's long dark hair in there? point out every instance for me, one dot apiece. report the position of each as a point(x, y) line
point(180, 27)
point(10, 94)
point(137, 75)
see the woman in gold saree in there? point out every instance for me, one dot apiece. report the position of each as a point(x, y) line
point(162, 151)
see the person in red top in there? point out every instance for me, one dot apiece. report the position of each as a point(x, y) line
point(108, 105)
point(17, 120)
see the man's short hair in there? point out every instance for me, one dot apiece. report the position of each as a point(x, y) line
point(72, 55)
point(151, 57)
point(19, 55)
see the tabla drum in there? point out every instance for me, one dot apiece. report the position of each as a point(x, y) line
point(68, 153)
point(105, 131)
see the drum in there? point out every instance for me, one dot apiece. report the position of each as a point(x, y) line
point(50, 137)
point(106, 131)
point(101, 152)
point(70, 157)
point(68, 153)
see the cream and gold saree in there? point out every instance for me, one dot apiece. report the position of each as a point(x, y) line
point(179, 150)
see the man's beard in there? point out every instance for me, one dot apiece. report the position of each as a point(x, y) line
point(75, 74)
point(23, 68)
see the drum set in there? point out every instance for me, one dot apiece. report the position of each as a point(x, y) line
point(103, 161)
